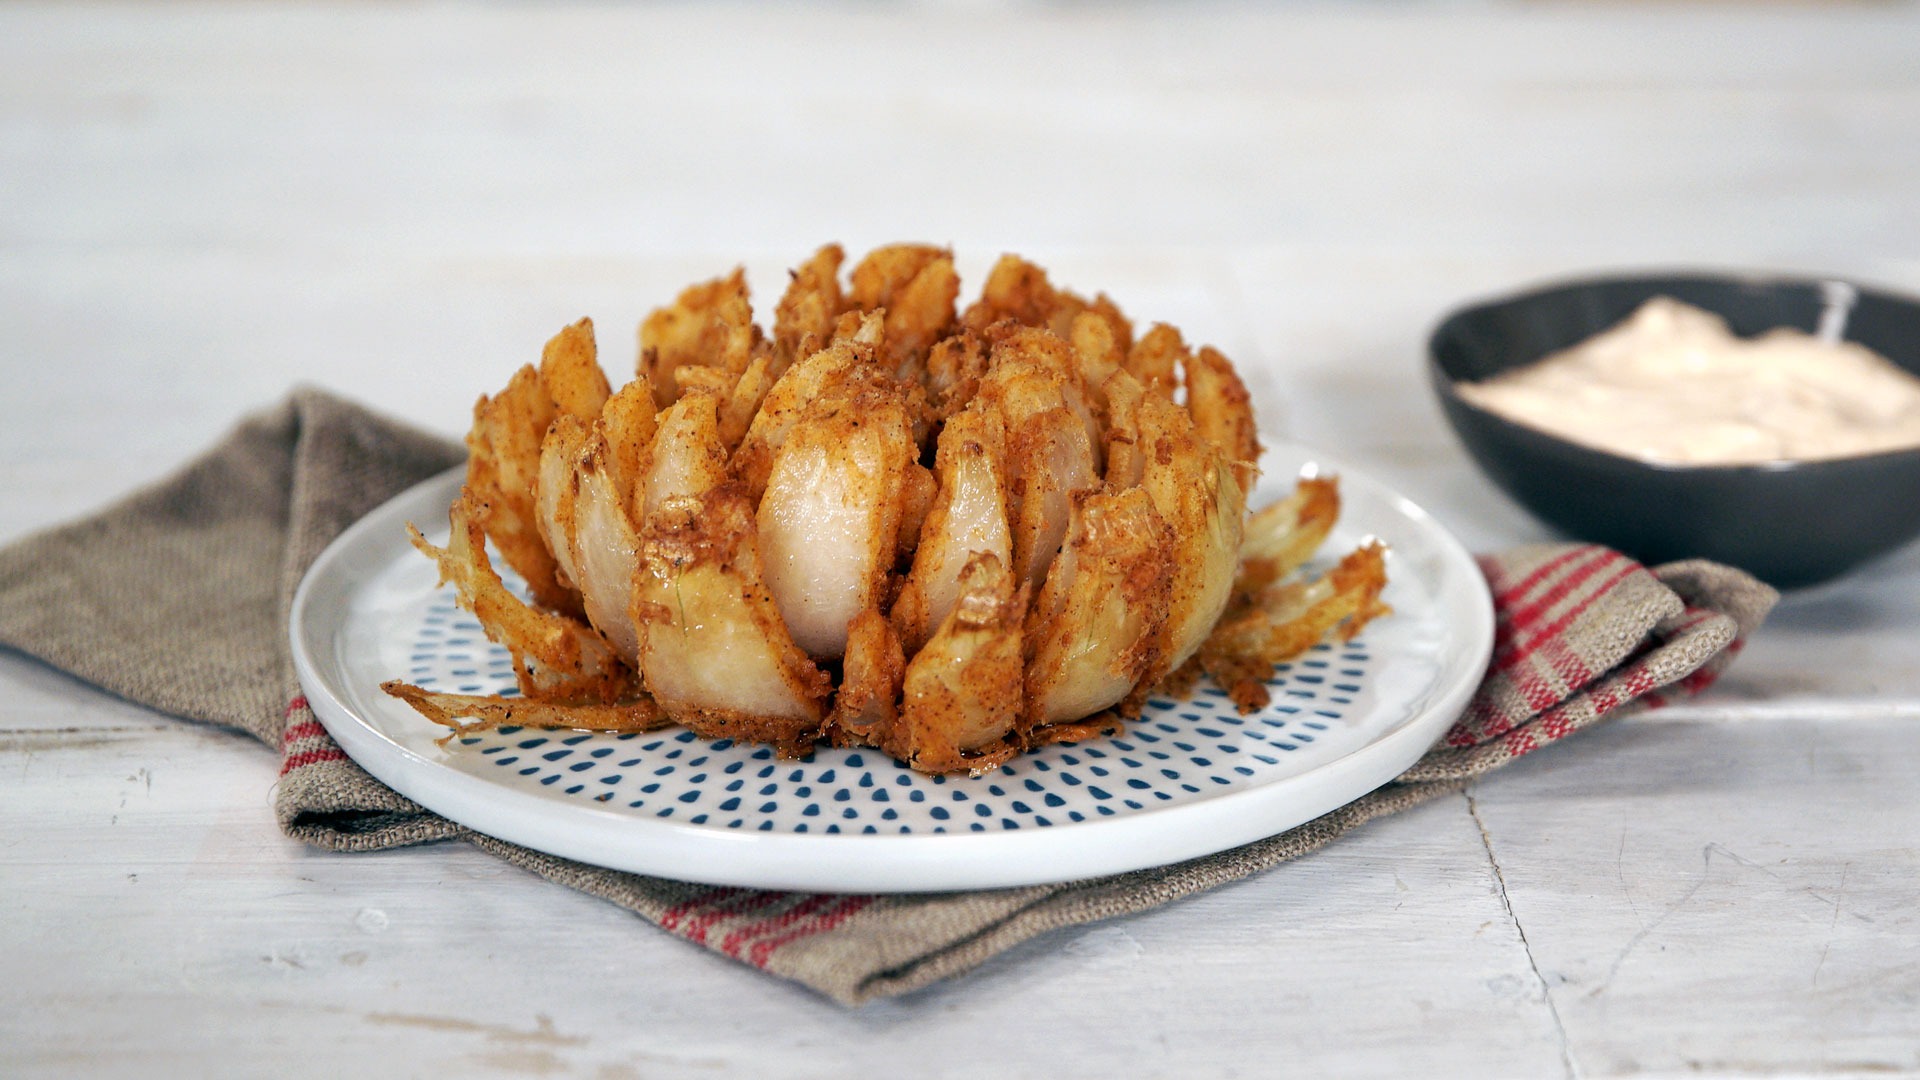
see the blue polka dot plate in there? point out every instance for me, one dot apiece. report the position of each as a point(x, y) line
point(1188, 778)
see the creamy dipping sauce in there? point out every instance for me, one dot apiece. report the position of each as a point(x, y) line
point(1673, 385)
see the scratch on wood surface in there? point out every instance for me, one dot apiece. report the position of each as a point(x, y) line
point(1706, 868)
point(1500, 880)
point(27, 742)
point(60, 735)
point(1833, 925)
point(528, 1061)
point(1707, 854)
point(289, 959)
point(641, 1065)
point(1619, 871)
point(1799, 1068)
point(543, 1033)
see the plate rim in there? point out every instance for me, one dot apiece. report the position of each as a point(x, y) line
point(819, 862)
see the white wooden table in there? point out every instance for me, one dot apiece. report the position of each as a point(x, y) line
point(200, 207)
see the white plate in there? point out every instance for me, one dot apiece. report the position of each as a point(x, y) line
point(1187, 778)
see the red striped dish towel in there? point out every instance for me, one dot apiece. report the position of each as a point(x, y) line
point(1582, 633)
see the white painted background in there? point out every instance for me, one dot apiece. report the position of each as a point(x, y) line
point(203, 205)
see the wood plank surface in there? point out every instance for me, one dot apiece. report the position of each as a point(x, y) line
point(202, 205)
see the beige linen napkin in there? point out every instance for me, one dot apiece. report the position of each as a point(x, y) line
point(177, 598)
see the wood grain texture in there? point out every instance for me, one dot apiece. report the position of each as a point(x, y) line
point(203, 205)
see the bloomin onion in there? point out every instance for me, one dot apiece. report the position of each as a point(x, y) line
point(952, 535)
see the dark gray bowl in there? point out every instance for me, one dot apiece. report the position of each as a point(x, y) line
point(1789, 524)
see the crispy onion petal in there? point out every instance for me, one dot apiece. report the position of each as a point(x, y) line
point(1049, 457)
point(556, 657)
point(570, 372)
point(709, 325)
point(1222, 412)
point(1282, 536)
point(968, 516)
point(1155, 359)
point(503, 457)
point(961, 696)
point(915, 286)
point(1284, 620)
point(556, 492)
point(687, 458)
point(1197, 496)
point(585, 499)
point(714, 651)
point(791, 398)
point(604, 547)
point(829, 519)
point(869, 697)
point(470, 713)
point(1096, 632)
point(804, 319)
